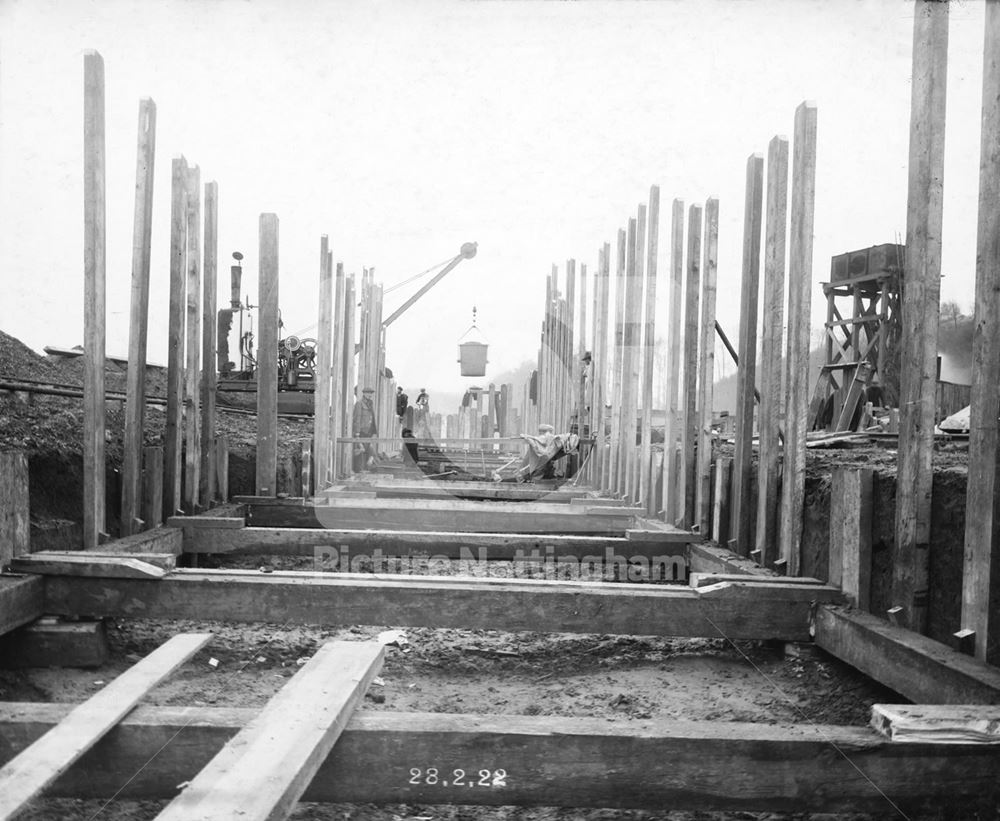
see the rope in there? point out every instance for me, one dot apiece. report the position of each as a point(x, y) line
point(392, 288)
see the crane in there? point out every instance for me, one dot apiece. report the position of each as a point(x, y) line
point(467, 251)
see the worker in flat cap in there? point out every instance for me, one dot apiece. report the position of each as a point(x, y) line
point(363, 426)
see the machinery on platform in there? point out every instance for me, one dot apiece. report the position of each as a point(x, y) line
point(237, 364)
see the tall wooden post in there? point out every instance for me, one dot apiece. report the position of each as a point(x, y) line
point(647, 484)
point(192, 419)
point(630, 362)
point(172, 465)
point(152, 486)
point(672, 427)
point(616, 364)
point(850, 560)
point(566, 369)
point(135, 387)
point(741, 511)
point(706, 366)
point(94, 250)
point(267, 358)
point(691, 417)
point(981, 573)
point(324, 368)
point(338, 385)
point(769, 458)
point(581, 350)
point(351, 391)
point(15, 527)
point(634, 323)
point(208, 482)
point(599, 367)
point(797, 373)
point(921, 304)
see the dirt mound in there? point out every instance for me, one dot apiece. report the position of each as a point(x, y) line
point(18, 361)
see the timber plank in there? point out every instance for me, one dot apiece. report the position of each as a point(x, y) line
point(422, 601)
point(86, 563)
point(569, 761)
point(288, 740)
point(31, 770)
point(299, 541)
point(208, 522)
point(940, 723)
point(158, 540)
point(21, 601)
point(438, 514)
point(921, 669)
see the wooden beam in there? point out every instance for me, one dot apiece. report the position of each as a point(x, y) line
point(208, 480)
point(207, 522)
point(689, 433)
point(706, 369)
point(946, 724)
point(324, 368)
point(329, 547)
point(616, 472)
point(647, 481)
point(15, 527)
point(152, 486)
point(921, 669)
point(851, 511)
point(769, 455)
point(94, 318)
point(721, 509)
point(567, 761)
point(672, 428)
point(222, 467)
point(289, 740)
point(158, 540)
point(633, 371)
point(435, 514)
point(779, 612)
point(37, 766)
point(172, 438)
point(798, 376)
point(741, 532)
point(981, 570)
point(920, 307)
point(192, 347)
point(21, 601)
point(135, 387)
point(706, 558)
point(267, 359)
point(599, 368)
point(87, 563)
point(339, 387)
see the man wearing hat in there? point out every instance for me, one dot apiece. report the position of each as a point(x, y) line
point(363, 426)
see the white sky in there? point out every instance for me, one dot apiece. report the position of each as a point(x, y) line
point(404, 129)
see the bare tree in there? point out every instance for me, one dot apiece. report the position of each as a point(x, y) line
point(951, 310)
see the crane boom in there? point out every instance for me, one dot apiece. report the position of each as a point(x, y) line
point(467, 251)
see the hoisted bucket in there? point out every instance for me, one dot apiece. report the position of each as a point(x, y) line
point(472, 356)
point(472, 353)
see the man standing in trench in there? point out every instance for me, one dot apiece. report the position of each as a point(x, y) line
point(363, 427)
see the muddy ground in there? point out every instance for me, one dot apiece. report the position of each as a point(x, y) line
point(616, 678)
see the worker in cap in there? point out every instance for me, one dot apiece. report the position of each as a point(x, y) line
point(402, 402)
point(363, 426)
point(423, 400)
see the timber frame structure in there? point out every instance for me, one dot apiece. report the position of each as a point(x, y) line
point(581, 762)
point(657, 517)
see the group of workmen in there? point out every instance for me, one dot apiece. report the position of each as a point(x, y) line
point(365, 426)
point(541, 451)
